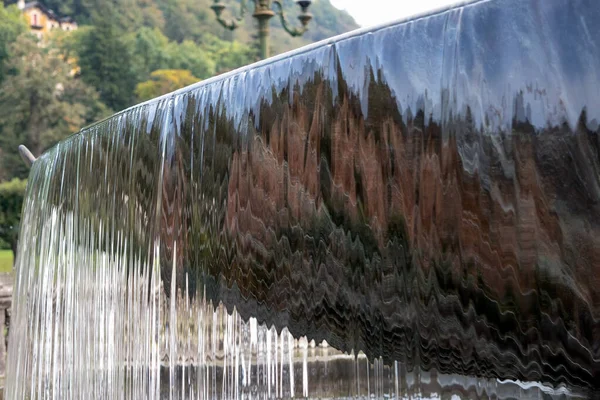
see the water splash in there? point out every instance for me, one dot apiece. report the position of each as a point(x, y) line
point(409, 212)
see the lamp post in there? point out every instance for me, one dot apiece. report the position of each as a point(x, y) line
point(263, 13)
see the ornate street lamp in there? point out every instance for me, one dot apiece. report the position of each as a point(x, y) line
point(263, 13)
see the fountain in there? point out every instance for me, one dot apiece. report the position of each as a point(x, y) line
point(411, 210)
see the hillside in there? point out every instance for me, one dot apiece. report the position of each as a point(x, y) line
point(182, 20)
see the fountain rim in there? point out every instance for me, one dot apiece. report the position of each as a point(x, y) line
point(305, 49)
point(459, 4)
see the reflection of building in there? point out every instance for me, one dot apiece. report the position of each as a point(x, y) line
point(42, 19)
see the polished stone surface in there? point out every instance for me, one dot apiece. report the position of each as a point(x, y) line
point(427, 193)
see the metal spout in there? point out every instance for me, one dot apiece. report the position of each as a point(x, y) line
point(26, 155)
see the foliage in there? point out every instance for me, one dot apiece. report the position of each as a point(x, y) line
point(12, 24)
point(130, 15)
point(194, 20)
point(153, 51)
point(6, 261)
point(188, 55)
point(149, 47)
point(11, 202)
point(230, 55)
point(121, 42)
point(188, 19)
point(164, 81)
point(181, 20)
point(41, 102)
point(106, 60)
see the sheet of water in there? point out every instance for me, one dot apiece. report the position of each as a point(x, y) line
point(97, 332)
point(410, 212)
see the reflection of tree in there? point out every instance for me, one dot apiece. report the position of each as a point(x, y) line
point(372, 233)
point(384, 232)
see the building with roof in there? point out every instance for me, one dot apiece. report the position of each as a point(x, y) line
point(42, 20)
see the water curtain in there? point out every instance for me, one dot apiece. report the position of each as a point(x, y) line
point(408, 210)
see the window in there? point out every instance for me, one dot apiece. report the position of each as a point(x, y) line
point(35, 21)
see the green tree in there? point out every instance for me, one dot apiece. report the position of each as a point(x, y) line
point(188, 19)
point(12, 24)
point(149, 51)
point(188, 55)
point(164, 81)
point(130, 15)
point(105, 58)
point(41, 103)
point(232, 55)
point(152, 16)
point(11, 202)
point(153, 51)
point(182, 20)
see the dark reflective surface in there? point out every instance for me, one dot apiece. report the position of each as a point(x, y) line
point(427, 193)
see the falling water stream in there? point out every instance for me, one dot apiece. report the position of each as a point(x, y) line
point(407, 212)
